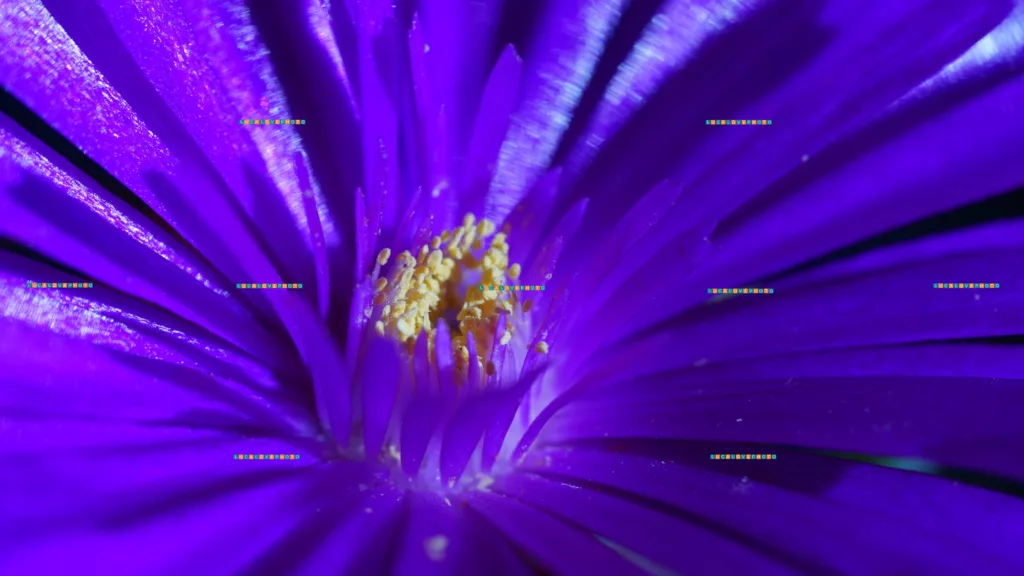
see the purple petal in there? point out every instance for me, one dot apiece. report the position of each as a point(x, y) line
point(473, 377)
point(380, 376)
point(656, 535)
point(625, 233)
point(492, 121)
point(559, 66)
point(892, 184)
point(362, 300)
point(380, 134)
point(499, 354)
point(421, 418)
point(458, 35)
point(844, 305)
point(970, 424)
point(144, 525)
point(529, 218)
point(623, 380)
point(47, 200)
point(192, 89)
point(440, 539)
point(317, 236)
point(667, 43)
point(783, 83)
point(430, 544)
point(464, 431)
point(436, 157)
point(633, 289)
point(868, 521)
point(559, 547)
point(417, 224)
point(445, 360)
point(476, 415)
point(542, 266)
point(102, 382)
point(297, 40)
point(365, 541)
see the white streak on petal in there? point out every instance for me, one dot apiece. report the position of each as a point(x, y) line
point(319, 14)
point(667, 44)
point(32, 161)
point(38, 63)
point(544, 116)
point(1002, 44)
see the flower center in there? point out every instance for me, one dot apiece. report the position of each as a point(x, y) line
point(440, 283)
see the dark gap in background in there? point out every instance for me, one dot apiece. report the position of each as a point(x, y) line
point(8, 245)
point(516, 25)
point(38, 127)
point(1006, 206)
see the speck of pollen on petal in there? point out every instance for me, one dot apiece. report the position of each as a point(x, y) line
point(439, 281)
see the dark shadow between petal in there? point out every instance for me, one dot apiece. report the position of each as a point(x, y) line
point(742, 65)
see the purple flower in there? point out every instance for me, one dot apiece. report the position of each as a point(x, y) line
point(417, 406)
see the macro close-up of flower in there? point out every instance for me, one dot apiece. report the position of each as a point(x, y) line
point(671, 287)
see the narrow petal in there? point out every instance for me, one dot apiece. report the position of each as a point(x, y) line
point(544, 260)
point(530, 216)
point(842, 306)
point(442, 539)
point(380, 376)
point(559, 547)
point(366, 541)
point(970, 424)
point(559, 66)
point(47, 200)
point(623, 236)
point(868, 520)
point(885, 188)
point(659, 540)
point(667, 43)
point(492, 121)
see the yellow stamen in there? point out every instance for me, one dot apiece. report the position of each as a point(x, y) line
point(422, 290)
point(383, 257)
point(486, 228)
point(542, 347)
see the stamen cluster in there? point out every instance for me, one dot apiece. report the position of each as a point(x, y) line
point(420, 290)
